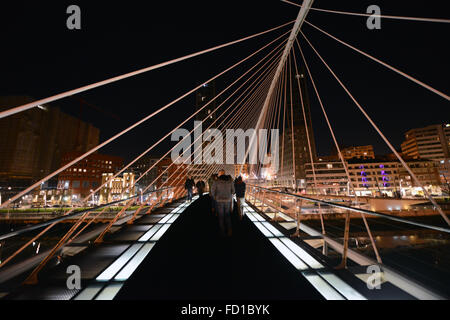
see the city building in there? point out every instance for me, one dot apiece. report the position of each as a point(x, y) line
point(374, 177)
point(330, 178)
point(119, 188)
point(426, 171)
point(289, 175)
point(359, 152)
point(33, 142)
point(244, 172)
point(203, 96)
point(86, 175)
point(431, 142)
point(162, 174)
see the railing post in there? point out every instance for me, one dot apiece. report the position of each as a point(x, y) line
point(343, 264)
point(131, 221)
point(375, 249)
point(297, 217)
point(118, 215)
point(33, 277)
point(263, 198)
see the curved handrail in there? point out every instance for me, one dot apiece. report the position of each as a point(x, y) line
point(74, 214)
point(359, 210)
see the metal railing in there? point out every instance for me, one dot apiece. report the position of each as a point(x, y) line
point(66, 233)
point(316, 218)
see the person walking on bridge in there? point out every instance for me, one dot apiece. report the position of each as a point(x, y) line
point(211, 182)
point(222, 191)
point(189, 185)
point(200, 185)
point(239, 186)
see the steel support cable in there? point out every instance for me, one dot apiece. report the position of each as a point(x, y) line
point(381, 134)
point(276, 75)
point(128, 129)
point(130, 74)
point(281, 107)
point(238, 121)
point(308, 137)
point(422, 84)
point(217, 108)
point(338, 150)
point(254, 100)
point(253, 96)
point(255, 81)
point(186, 168)
point(284, 121)
point(374, 15)
point(180, 176)
point(186, 120)
point(277, 109)
point(292, 123)
point(269, 120)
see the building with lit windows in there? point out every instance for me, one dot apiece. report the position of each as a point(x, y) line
point(86, 175)
point(119, 188)
point(374, 178)
point(293, 140)
point(431, 142)
point(359, 152)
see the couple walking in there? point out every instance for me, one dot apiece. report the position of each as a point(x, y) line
point(222, 190)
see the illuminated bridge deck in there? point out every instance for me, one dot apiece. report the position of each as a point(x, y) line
point(176, 253)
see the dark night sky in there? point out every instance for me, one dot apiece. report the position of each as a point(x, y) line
point(41, 57)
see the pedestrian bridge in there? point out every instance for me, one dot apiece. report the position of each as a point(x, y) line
point(176, 253)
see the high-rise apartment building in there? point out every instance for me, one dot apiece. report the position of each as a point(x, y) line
point(431, 142)
point(290, 175)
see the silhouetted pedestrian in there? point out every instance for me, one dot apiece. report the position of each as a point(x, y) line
point(239, 186)
point(222, 191)
point(200, 185)
point(189, 185)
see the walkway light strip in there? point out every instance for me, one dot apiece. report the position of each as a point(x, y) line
point(134, 262)
point(166, 218)
point(129, 261)
point(89, 292)
point(160, 232)
point(322, 286)
point(150, 233)
point(328, 284)
point(250, 216)
point(110, 291)
point(343, 288)
point(288, 254)
point(261, 228)
point(112, 270)
point(302, 254)
point(272, 229)
point(174, 218)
